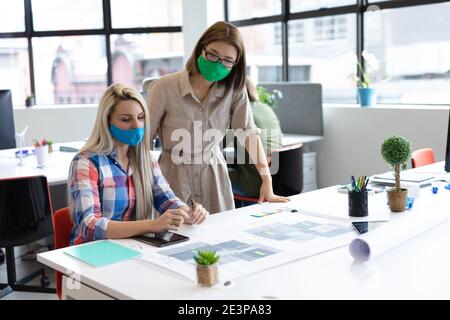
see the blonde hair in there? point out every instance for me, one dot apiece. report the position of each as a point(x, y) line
point(101, 142)
point(227, 32)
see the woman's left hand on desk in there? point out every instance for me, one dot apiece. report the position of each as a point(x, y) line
point(266, 193)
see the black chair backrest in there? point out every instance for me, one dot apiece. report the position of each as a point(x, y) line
point(287, 171)
point(25, 210)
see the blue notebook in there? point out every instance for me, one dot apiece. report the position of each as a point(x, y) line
point(101, 253)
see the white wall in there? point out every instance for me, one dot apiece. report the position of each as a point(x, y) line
point(55, 123)
point(353, 138)
point(351, 144)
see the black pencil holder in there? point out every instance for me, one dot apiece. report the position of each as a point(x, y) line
point(357, 204)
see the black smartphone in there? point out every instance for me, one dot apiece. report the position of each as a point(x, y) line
point(367, 226)
point(162, 239)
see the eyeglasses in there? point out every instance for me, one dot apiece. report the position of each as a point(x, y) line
point(215, 58)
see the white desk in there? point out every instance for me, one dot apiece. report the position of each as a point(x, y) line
point(418, 269)
point(290, 138)
point(287, 140)
point(56, 171)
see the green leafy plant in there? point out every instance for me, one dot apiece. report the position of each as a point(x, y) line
point(396, 151)
point(269, 98)
point(206, 258)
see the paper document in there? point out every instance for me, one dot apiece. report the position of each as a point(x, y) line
point(254, 243)
point(334, 205)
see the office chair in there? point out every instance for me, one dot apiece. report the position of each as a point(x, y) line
point(25, 217)
point(62, 225)
point(146, 83)
point(422, 157)
point(286, 167)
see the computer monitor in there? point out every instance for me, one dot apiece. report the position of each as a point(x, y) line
point(300, 109)
point(7, 130)
point(447, 151)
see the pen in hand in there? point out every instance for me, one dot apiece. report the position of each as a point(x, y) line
point(192, 205)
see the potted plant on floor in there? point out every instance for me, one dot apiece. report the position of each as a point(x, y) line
point(367, 95)
point(396, 151)
point(207, 269)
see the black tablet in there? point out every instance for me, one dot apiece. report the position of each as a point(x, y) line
point(161, 239)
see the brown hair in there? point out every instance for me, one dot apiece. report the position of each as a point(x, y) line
point(251, 91)
point(222, 31)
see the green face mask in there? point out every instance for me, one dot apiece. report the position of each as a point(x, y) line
point(212, 71)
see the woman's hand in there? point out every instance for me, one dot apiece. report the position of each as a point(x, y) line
point(197, 215)
point(266, 193)
point(171, 219)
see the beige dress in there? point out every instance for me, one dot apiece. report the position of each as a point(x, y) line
point(192, 161)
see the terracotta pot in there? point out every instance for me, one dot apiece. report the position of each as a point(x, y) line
point(207, 276)
point(397, 199)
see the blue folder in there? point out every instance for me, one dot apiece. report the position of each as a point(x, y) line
point(101, 253)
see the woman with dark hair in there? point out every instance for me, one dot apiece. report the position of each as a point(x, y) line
point(244, 177)
point(197, 106)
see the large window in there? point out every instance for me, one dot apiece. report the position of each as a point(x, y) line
point(238, 9)
point(12, 16)
point(320, 40)
point(67, 14)
point(413, 46)
point(69, 69)
point(326, 55)
point(308, 5)
point(139, 56)
point(263, 53)
point(77, 48)
point(14, 68)
point(331, 28)
point(145, 13)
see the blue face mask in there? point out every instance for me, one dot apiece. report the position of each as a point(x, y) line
point(130, 137)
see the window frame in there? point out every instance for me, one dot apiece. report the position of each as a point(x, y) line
point(106, 31)
point(359, 9)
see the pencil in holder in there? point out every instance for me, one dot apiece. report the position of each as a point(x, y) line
point(358, 204)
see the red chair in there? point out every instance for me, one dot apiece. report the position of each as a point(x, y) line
point(62, 226)
point(422, 157)
point(288, 178)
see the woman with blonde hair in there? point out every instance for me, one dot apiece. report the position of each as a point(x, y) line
point(203, 101)
point(114, 185)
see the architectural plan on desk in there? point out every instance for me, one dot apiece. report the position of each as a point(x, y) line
point(247, 244)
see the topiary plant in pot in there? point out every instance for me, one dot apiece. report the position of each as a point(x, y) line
point(396, 151)
point(207, 270)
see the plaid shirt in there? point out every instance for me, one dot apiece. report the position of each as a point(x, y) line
point(101, 191)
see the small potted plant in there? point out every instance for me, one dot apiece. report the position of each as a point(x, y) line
point(207, 269)
point(366, 94)
point(41, 152)
point(396, 151)
point(269, 98)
